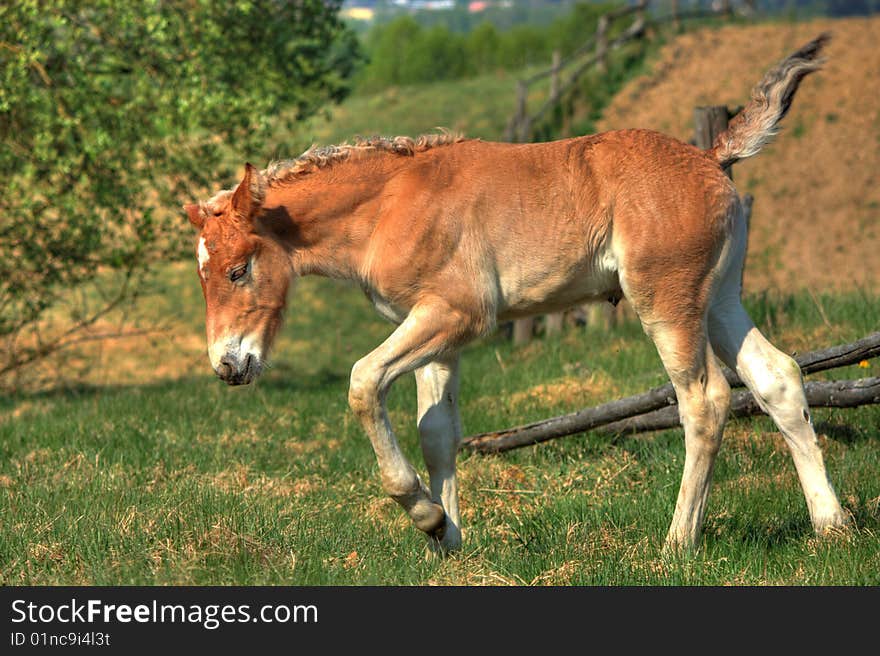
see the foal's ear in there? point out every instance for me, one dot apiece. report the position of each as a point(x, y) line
point(250, 193)
point(194, 211)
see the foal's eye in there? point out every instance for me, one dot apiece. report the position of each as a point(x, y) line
point(238, 272)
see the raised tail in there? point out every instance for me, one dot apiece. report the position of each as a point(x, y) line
point(758, 122)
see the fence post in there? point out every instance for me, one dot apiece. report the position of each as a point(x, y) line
point(709, 122)
point(554, 77)
point(602, 43)
point(510, 130)
point(522, 330)
point(519, 129)
point(676, 23)
point(641, 18)
point(521, 124)
point(553, 322)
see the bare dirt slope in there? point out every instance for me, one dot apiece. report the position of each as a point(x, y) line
point(817, 187)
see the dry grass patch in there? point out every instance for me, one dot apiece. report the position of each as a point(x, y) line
point(568, 391)
point(616, 472)
point(491, 486)
point(24, 410)
point(297, 446)
point(752, 480)
point(473, 569)
point(565, 391)
point(743, 439)
point(873, 507)
point(41, 552)
point(562, 574)
point(239, 479)
point(351, 561)
point(220, 540)
point(161, 477)
point(795, 340)
point(385, 512)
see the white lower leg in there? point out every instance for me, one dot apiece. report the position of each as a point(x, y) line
point(440, 434)
point(400, 480)
point(703, 408)
point(775, 380)
point(788, 407)
point(690, 508)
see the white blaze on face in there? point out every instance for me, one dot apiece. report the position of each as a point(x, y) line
point(203, 255)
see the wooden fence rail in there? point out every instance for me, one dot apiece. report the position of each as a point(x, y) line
point(648, 410)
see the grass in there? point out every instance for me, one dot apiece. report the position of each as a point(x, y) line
point(479, 107)
point(190, 482)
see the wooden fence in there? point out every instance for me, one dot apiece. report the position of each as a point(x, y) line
point(593, 53)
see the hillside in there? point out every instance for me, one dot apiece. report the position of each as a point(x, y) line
point(477, 107)
point(817, 188)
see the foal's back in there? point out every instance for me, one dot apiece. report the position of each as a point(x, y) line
point(525, 228)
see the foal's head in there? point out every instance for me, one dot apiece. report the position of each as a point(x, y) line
point(244, 273)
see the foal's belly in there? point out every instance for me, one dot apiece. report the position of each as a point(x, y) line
point(542, 288)
point(529, 287)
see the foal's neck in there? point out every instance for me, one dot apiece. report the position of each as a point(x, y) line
point(325, 218)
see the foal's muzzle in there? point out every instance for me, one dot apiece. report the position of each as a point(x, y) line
point(237, 371)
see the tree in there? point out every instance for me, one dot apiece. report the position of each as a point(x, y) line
point(111, 113)
point(388, 46)
point(482, 46)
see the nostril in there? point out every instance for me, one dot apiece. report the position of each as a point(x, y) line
point(225, 368)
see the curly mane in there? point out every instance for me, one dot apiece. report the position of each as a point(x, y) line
point(318, 157)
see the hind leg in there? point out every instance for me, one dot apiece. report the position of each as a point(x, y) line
point(703, 400)
point(776, 382)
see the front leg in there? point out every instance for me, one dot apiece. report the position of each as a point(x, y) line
point(432, 330)
point(440, 434)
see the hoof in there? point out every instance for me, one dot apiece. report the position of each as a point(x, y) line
point(429, 518)
point(832, 524)
point(444, 541)
point(678, 545)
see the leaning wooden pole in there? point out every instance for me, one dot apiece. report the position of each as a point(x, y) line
point(647, 402)
point(820, 394)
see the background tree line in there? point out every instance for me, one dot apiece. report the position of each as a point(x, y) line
point(405, 51)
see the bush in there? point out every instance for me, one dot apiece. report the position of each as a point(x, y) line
point(111, 113)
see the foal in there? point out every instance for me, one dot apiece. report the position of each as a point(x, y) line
point(449, 236)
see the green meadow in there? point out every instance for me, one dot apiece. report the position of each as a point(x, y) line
point(188, 481)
